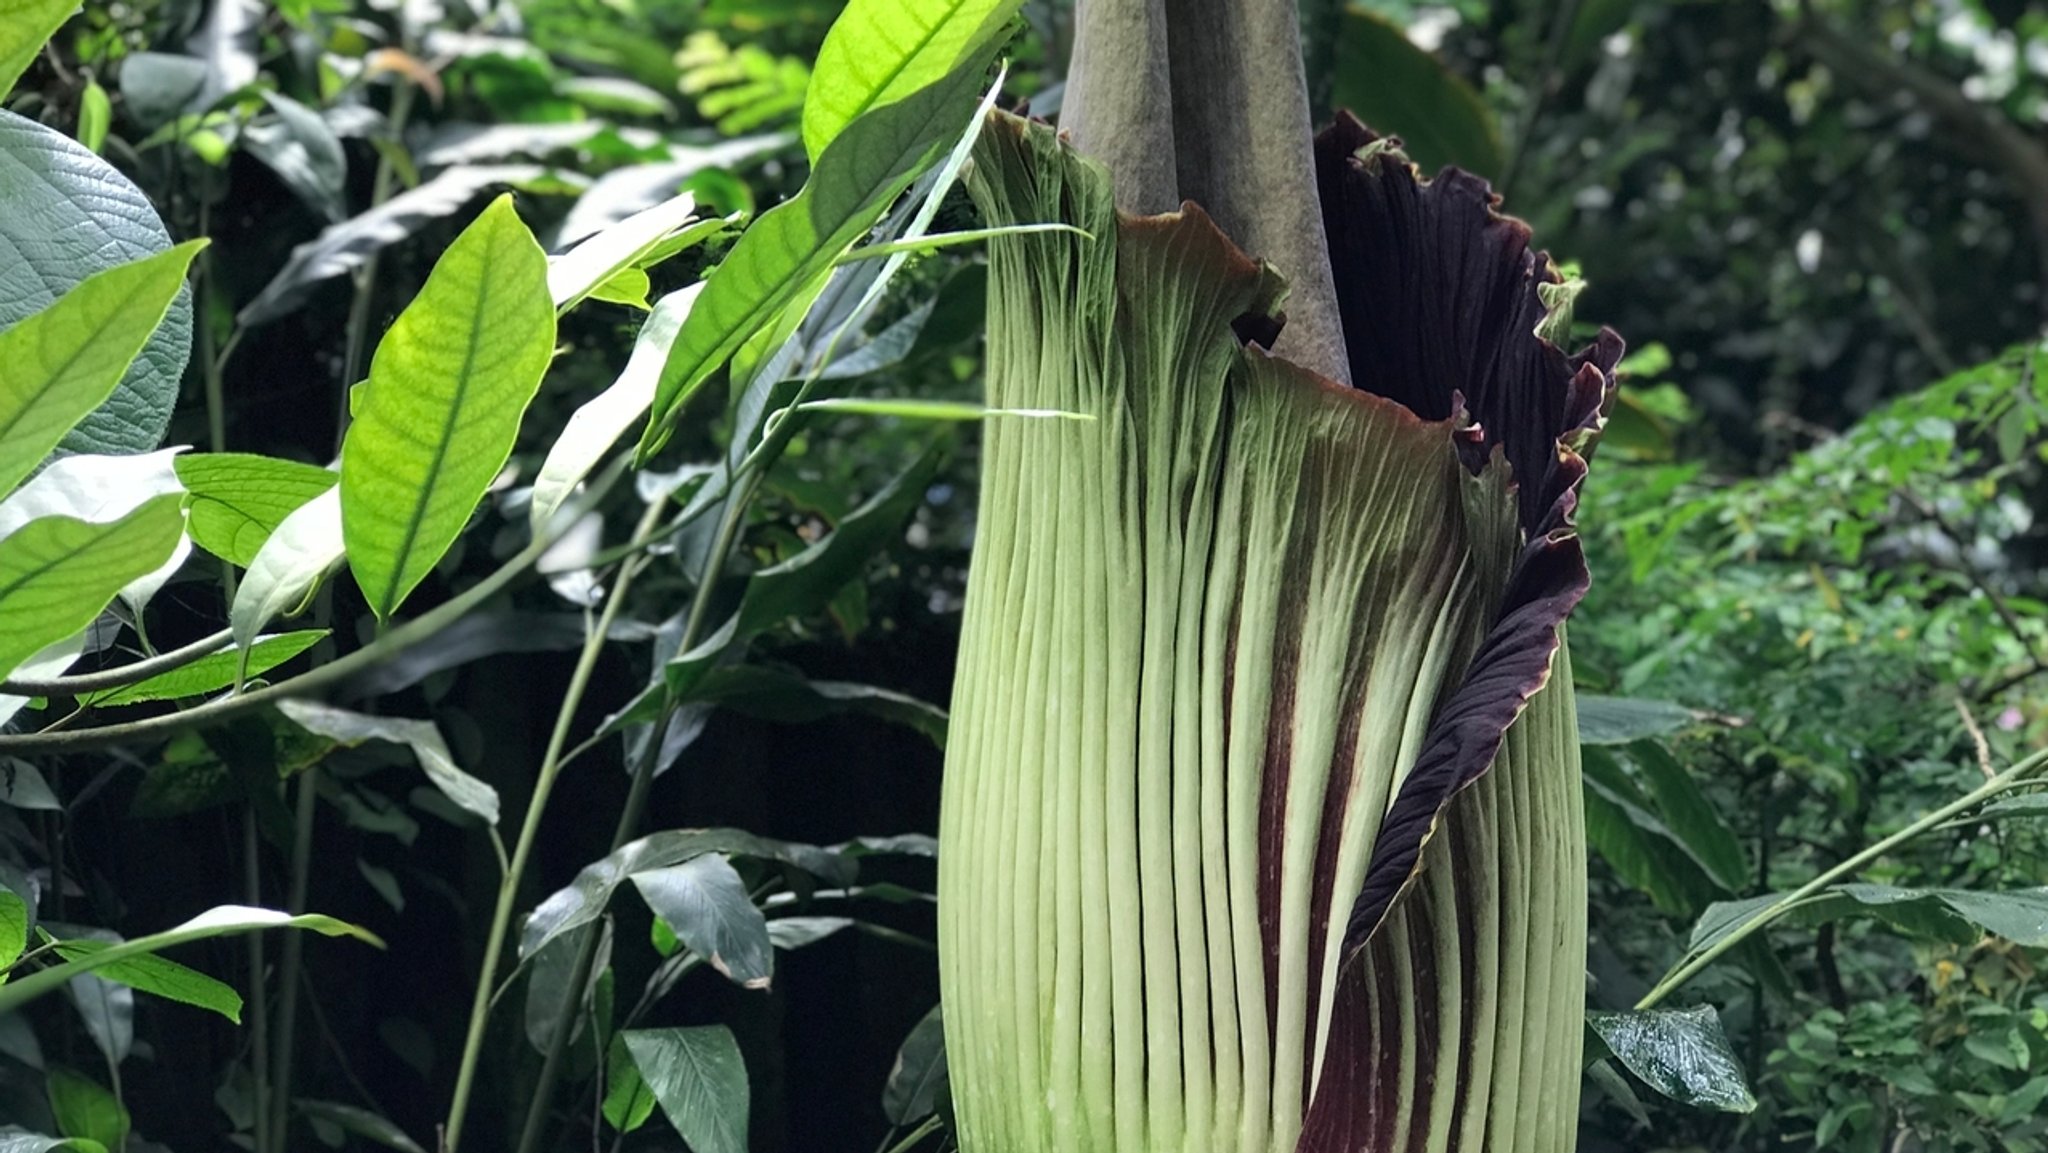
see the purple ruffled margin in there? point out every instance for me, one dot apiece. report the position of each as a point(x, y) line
point(1438, 296)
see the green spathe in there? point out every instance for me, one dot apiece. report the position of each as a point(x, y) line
point(1207, 634)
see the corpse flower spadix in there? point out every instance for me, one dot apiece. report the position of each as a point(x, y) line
point(1261, 815)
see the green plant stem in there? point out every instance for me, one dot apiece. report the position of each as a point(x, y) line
point(129, 674)
point(366, 276)
point(635, 808)
point(2009, 779)
point(419, 629)
point(259, 1001)
point(910, 1140)
point(294, 953)
point(529, 832)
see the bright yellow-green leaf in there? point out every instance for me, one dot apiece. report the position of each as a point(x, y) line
point(627, 286)
point(217, 671)
point(61, 363)
point(239, 498)
point(13, 929)
point(95, 115)
point(438, 415)
point(880, 51)
point(159, 977)
point(57, 573)
point(86, 1110)
point(24, 27)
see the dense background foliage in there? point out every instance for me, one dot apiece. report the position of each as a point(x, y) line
point(1814, 526)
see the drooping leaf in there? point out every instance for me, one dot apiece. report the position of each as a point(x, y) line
point(25, 25)
point(706, 904)
point(1680, 1053)
point(579, 271)
point(1622, 720)
point(69, 215)
point(1956, 916)
point(212, 923)
point(57, 573)
point(779, 695)
point(22, 787)
point(238, 499)
point(422, 737)
point(585, 898)
point(598, 423)
point(550, 1003)
point(880, 51)
point(304, 152)
point(918, 1077)
point(87, 1110)
point(1690, 815)
point(796, 932)
point(107, 1011)
point(438, 416)
point(1399, 89)
point(359, 1121)
point(699, 1079)
point(869, 164)
point(160, 977)
point(344, 247)
point(216, 671)
point(304, 547)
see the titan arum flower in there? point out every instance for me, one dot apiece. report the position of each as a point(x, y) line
point(1261, 819)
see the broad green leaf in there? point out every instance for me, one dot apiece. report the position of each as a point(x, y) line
point(585, 898)
point(352, 729)
point(578, 272)
point(159, 977)
point(95, 116)
point(796, 932)
point(627, 286)
point(100, 489)
point(86, 1110)
point(790, 698)
point(599, 423)
point(13, 930)
point(865, 169)
point(157, 86)
point(628, 1102)
point(1951, 915)
point(25, 25)
point(2009, 808)
point(613, 94)
point(358, 1121)
point(1399, 89)
point(1680, 1053)
point(212, 923)
point(699, 1079)
point(217, 671)
point(57, 573)
point(548, 999)
point(919, 1075)
point(880, 51)
point(304, 547)
point(239, 498)
point(436, 420)
point(1691, 816)
point(2020, 916)
point(951, 410)
point(1622, 720)
point(1643, 851)
point(343, 247)
point(69, 215)
point(706, 904)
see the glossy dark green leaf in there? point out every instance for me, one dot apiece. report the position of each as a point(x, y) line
point(1622, 720)
point(1401, 90)
point(917, 1080)
point(1691, 816)
point(699, 1079)
point(704, 902)
point(57, 573)
point(239, 498)
point(789, 698)
point(70, 214)
point(1680, 1053)
point(549, 1002)
point(437, 418)
point(350, 729)
point(304, 152)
